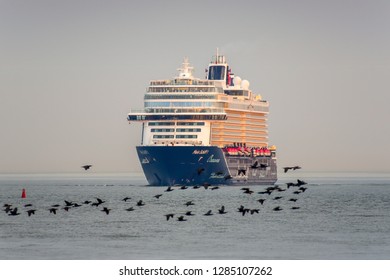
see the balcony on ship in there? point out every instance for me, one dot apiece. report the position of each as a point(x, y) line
point(174, 82)
point(148, 114)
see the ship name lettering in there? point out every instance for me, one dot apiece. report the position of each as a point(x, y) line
point(200, 152)
point(212, 159)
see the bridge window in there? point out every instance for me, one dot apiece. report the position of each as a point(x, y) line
point(217, 72)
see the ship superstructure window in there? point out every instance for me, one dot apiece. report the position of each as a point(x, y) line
point(191, 114)
point(190, 123)
point(161, 123)
point(163, 136)
point(162, 130)
point(139, 117)
point(180, 96)
point(188, 130)
point(237, 92)
point(187, 136)
point(181, 82)
point(185, 89)
point(216, 72)
point(181, 104)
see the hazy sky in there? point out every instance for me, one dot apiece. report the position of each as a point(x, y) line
point(71, 70)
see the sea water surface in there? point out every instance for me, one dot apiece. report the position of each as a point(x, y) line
point(340, 216)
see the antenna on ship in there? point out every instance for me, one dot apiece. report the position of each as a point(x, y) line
point(186, 70)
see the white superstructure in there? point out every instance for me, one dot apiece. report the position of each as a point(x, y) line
point(219, 110)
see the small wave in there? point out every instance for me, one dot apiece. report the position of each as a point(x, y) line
point(122, 236)
point(367, 215)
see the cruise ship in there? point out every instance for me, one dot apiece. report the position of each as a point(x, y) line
point(210, 131)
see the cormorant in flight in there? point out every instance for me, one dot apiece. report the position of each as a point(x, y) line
point(86, 167)
point(169, 216)
point(31, 212)
point(105, 209)
point(292, 168)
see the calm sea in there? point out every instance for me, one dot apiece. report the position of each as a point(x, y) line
point(340, 216)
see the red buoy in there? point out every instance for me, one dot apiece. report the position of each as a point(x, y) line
point(23, 193)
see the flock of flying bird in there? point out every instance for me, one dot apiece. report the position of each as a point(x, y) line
point(298, 187)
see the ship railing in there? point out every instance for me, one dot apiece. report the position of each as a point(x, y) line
point(249, 107)
point(181, 82)
point(177, 111)
point(177, 143)
point(201, 96)
point(184, 89)
point(177, 114)
point(181, 104)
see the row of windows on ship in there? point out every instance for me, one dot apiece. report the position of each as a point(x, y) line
point(182, 104)
point(173, 123)
point(177, 130)
point(173, 136)
point(181, 82)
point(180, 142)
point(180, 96)
point(185, 89)
point(161, 114)
point(172, 104)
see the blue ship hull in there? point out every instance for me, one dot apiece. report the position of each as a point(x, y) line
point(198, 165)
